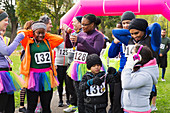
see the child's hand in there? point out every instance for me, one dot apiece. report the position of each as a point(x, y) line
point(98, 80)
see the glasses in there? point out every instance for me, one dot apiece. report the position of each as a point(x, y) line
point(85, 24)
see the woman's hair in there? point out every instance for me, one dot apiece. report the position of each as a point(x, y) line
point(28, 24)
point(45, 19)
point(145, 53)
point(91, 17)
point(1, 11)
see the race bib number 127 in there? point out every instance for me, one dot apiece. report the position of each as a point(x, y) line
point(42, 58)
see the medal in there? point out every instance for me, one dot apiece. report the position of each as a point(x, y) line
point(38, 45)
point(74, 48)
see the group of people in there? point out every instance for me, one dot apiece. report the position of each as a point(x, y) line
point(73, 57)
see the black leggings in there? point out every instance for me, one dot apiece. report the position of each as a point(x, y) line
point(61, 75)
point(7, 103)
point(45, 99)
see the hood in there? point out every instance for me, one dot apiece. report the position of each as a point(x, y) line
point(152, 68)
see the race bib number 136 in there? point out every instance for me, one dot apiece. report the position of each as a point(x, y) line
point(80, 56)
point(42, 58)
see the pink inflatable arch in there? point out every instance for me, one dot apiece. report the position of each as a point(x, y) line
point(116, 8)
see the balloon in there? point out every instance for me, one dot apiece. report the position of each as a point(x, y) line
point(116, 8)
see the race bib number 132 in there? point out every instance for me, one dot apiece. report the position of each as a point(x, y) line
point(80, 56)
point(42, 58)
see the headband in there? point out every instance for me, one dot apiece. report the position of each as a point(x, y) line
point(36, 26)
point(139, 49)
point(3, 16)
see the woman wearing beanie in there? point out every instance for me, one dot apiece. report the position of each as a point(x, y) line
point(138, 79)
point(9, 81)
point(38, 66)
point(89, 41)
point(114, 50)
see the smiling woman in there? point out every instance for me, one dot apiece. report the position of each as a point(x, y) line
point(9, 81)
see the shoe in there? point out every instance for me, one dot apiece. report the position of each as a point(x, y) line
point(60, 104)
point(163, 79)
point(23, 110)
point(71, 108)
point(67, 102)
point(153, 108)
point(77, 111)
point(38, 109)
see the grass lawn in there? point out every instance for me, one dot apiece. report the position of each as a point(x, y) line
point(163, 97)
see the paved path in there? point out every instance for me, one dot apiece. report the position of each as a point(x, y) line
point(54, 104)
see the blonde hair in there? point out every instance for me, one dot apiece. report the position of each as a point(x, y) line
point(28, 24)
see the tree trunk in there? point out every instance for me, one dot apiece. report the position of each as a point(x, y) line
point(14, 25)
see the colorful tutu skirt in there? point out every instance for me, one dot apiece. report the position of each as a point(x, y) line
point(10, 82)
point(76, 70)
point(41, 80)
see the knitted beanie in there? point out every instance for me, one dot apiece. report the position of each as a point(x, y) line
point(79, 18)
point(139, 24)
point(38, 25)
point(92, 60)
point(128, 15)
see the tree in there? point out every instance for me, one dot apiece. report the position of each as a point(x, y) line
point(33, 9)
point(9, 7)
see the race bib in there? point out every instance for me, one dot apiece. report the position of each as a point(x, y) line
point(128, 50)
point(63, 52)
point(162, 46)
point(9, 60)
point(96, 90)
point(80, 56)
point(42, 58)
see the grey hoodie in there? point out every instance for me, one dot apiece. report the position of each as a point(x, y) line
point(137, 86)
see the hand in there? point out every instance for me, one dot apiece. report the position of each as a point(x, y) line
point(73, 38)
point(160, 55)
point(69, 30)
point(56, 67)
point(98, 80)
point(116, 41)
point(131, 62)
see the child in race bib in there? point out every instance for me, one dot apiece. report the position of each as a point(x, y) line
point(94, 85)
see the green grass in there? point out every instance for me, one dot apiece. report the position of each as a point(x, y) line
point(163, 97)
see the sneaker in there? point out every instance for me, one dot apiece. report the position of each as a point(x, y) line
point(153, 108)
point(71, 108)
point(38, 109)
point(60, 104)
point(77, 111)
point(67, 102)
point(23, 110)
point(163, 79)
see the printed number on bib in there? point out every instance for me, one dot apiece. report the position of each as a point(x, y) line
point(63, 52)
point(128, 50)
point(42, 58)
point(162, 46)
point(123, 47)
point(80, 56)
point(96, 90)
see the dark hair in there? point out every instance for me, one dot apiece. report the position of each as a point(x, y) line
point(91, 17)
point(28, 24)
point(164, 29)
point(145, 53)
point(45, 19)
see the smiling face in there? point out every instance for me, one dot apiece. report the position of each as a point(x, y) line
point(76, 24)
point(49, 26)
point(39, 34)
point(86, 25)
point(3, 24)
point(125, 24)
point(137, 34)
